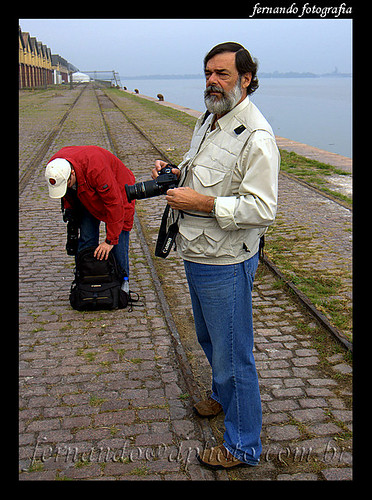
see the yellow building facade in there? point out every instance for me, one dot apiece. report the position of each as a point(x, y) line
point(37, 66)
point(35, 62)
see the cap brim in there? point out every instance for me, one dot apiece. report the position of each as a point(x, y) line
point(57, 191)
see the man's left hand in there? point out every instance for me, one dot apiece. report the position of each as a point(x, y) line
point(185, 198)
point(102, 251)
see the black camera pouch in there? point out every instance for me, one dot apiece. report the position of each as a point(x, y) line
point(166, 238)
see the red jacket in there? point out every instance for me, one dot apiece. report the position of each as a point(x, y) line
point(101, 178)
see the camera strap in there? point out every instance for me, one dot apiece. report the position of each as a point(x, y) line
point(166, 238)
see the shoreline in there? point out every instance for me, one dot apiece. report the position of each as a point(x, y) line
point(310, 152)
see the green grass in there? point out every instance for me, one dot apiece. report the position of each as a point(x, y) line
point(165, 111)
point(313, 172)
point(322, 287)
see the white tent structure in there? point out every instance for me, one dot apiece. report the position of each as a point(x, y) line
point(80, 77)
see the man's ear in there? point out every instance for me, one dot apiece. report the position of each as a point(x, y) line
point(246, 80)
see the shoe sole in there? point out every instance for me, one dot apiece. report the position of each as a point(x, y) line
point(205, 416)
point(219, 467)
point(202, 416)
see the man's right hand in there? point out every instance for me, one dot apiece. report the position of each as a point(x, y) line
point(159, 164)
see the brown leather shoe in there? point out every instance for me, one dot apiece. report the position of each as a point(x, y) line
point(207, 408)
point(219, 457)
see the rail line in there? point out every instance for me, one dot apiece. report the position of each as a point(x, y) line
point(35, 162)
point(317, 190)
point(189, 379)
point(176, 339)
point(302, 298)
point(102, 98)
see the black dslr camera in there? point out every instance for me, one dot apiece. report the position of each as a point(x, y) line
point(73, 222)
point(155, 187)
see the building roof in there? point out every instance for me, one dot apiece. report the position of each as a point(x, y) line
point(31, 44)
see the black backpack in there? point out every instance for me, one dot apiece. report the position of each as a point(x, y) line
point(97, 284)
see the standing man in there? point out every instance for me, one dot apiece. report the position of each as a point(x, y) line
point(229, 180)
point(91, 181)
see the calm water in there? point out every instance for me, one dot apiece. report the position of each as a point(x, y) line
point(315, 111)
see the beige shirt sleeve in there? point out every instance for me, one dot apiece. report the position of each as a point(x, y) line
point(255, 202)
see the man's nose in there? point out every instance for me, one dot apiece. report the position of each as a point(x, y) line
point(212, 80)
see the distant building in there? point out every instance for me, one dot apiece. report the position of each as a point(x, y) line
point(80, 77)
point(61, 69)
point(35, 62)
point(38, 67)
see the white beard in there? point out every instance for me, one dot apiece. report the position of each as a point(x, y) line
point(225, 103)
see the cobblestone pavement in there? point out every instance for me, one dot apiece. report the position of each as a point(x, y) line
point(103, 396)
point(317, 232)
point(318, 249)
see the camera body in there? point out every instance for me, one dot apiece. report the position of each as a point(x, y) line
point(148, 189)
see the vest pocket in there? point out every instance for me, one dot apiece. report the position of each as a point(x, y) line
point(190, 239)
point(209, 181)
point(207, 241)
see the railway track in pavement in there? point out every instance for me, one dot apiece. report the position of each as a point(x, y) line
point(144, 385)
point(45, 145)
point(305, 404)
point(171, 276)
point(308, 191)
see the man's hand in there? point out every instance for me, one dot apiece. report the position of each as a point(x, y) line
point(185, 198)
point(159, 164)
point(102, 251)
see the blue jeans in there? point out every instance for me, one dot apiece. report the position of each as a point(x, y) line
point(89, 236)
point(222, 305)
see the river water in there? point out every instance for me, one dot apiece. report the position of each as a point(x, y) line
point(314, 111)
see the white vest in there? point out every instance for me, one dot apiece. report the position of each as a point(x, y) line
point(209, 166)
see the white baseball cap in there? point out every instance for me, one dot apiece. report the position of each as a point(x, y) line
point(57, 173)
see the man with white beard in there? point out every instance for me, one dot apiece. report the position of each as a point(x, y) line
point(219, 102)
point(226, 200)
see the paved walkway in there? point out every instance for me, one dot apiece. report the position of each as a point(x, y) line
point(317, 232)
point(104, 395)
point(298, 364)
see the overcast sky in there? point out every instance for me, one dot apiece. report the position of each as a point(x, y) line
point(177, 46)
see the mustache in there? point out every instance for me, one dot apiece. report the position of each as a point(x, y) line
point(213, 88)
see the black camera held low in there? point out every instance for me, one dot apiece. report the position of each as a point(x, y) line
point(148, 189)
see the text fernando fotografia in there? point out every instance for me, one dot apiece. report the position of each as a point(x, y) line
point(303, 10)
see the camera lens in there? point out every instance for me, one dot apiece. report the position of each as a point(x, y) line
point(142, 190)
point(156, 187)
point(135, 192)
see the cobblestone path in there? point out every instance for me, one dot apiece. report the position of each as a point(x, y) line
point(317, 232)
point(103, 396)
